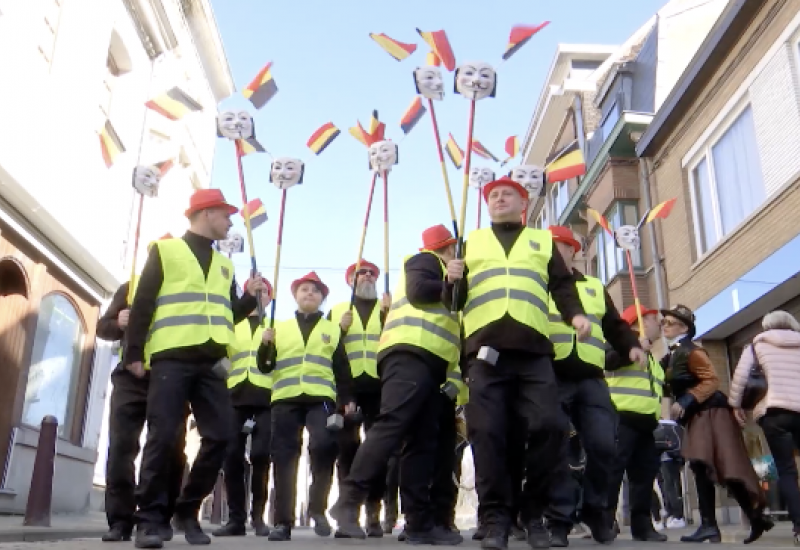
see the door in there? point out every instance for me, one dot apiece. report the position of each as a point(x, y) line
point(14, 317)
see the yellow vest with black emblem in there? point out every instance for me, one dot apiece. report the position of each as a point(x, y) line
point(635, 390)
point(454, 376)
point(433, 328)
point(360, 342)
point(592, 351)
point(304, 368)
point(191, 309)
point(514, 284)
point(243, 353)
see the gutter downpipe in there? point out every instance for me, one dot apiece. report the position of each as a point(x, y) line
point(644, 178)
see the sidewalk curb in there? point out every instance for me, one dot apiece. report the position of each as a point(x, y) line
point(48, 534)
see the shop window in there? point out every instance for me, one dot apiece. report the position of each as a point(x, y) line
point(55, 364)
point(611, 260)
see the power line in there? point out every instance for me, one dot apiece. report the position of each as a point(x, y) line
point(261, 267)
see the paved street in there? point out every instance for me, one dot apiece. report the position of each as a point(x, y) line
point(304, 539)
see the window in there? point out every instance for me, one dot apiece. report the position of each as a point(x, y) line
point(611, 260)
point(55, 364)
point(560, 198)
point(727, 182)
point(610, 121)
point(542, 220)
point(49, 29)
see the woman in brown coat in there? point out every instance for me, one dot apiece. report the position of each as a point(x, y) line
point(714, 446)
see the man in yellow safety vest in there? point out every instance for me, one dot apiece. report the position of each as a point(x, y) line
point(181, 324)
point(360, 334)
point(507, 278)
point(420, 340)
point(637, 393)
point(251, 394)
point(579, 368)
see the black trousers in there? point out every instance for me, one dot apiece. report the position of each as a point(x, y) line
point(638, 457)
point(392, 493)
point(410, 405)
point(782, 430)
point(524, 386)
point(444, 491)
point(173, 385)
point(350, 440)
point(127, 412)
point(672, 487)
point(587, 404)
point(288, 420)
point(234, 466)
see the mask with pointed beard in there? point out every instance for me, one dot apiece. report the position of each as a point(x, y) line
point(366, 290)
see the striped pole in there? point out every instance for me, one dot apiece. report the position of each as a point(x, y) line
point(385, 232)
point(464, 194)
point(277, 259)
point(253, 264)
point(363, 237)
point(445, 177)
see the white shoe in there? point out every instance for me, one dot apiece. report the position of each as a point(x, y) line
point(658, 525)
point(676, 523)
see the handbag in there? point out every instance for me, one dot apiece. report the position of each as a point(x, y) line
point(756, 387)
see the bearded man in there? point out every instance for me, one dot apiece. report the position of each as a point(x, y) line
point(360, 335)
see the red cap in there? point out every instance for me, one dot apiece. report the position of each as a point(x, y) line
point(505, 180)
point(311, 277)
point(564, 235)
point(436, 237)
point(364, 265)
point(629, 315)
point(208, 198)
point(266, 282)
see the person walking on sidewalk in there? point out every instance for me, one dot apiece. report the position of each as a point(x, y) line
point(251, 394)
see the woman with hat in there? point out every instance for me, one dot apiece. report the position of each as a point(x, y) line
point(310, 372)
point(714, 446)
point(420, 340)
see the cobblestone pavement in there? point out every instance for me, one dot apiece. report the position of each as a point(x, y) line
point(304, 539)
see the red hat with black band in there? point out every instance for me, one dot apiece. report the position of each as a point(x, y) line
point(630, 317)
point(203, 199)
point(363, 266)
point(436, 238)
point(562, 234)
point(311, 277)
point(507, 182)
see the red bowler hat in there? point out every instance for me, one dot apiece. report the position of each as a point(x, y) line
point(508, 182)
point(363, 265)
point(564, 235)
point(208, 198)
point(629, 315)
point(436, 237)
point(266, 282)
point(311, 277)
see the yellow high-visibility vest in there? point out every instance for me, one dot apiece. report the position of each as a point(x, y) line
point(133, 284)
point(514, 285)
point(433, 328)
point(191, 309)
point(637, 391)
point(304, 369)
point(360, 342)
point(243, 353)
point(592, 351)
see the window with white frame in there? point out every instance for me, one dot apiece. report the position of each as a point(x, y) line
point(560, 198)
point(49, 30)
point(727, 181)
point(542, 220)
point(611, 260)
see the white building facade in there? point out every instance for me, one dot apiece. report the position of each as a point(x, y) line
point(72, 68)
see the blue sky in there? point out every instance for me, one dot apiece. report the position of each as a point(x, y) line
point(328, 69)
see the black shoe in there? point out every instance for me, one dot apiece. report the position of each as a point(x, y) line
point(706, 532)
point(347, 517)
point(436, 536)
point(517, 532)
point(261, 528)
point(600, 525)
point(402, 536)
point(193, 532)
point(230, 529)
point(147, 537)
point(280, 533)
point(559, 535)
point(322, 526)
point(117, 533)
point(374, 528)
point(642, 530)
point(480, 533)
point(538, 536)
point(495, 539)
point(165, 532)
point(758, 526)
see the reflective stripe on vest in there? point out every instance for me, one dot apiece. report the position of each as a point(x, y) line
point(515, 284)
point(592, 351)
point(191, 309)
point(243, 353)
point(304, 368)
point(360, 343)
point(637, 391)
point(433, 328)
